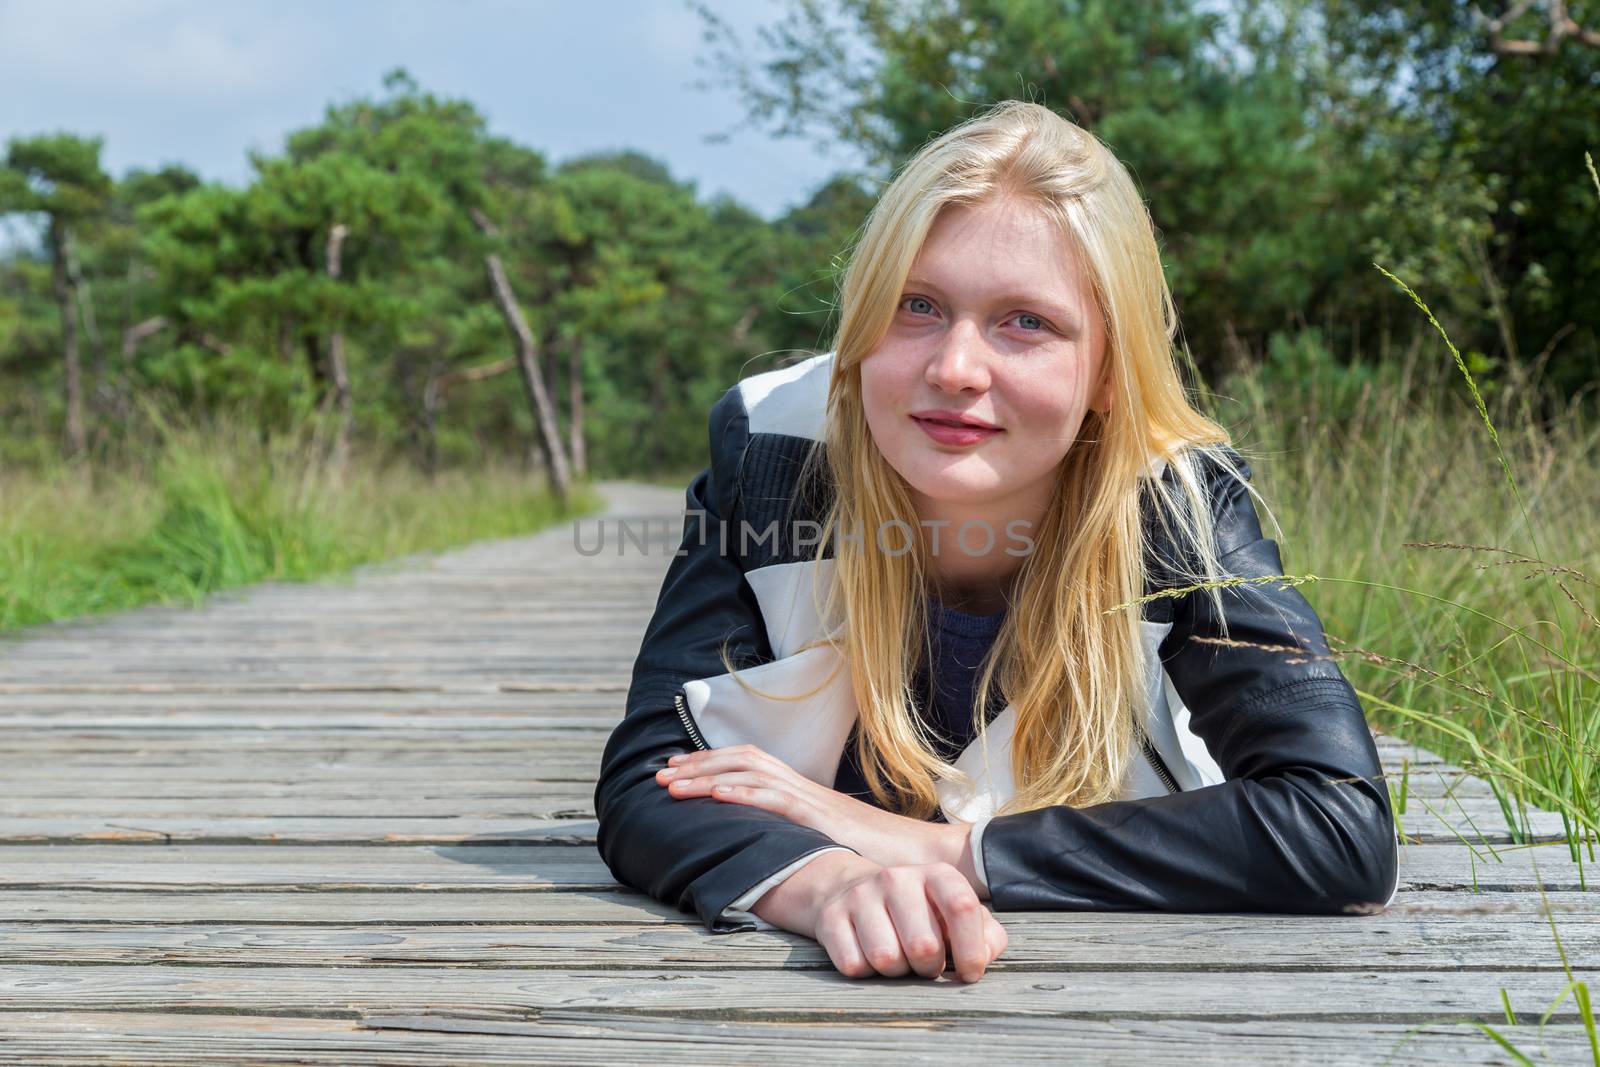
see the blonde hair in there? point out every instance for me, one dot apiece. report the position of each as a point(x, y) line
point(1072, 668)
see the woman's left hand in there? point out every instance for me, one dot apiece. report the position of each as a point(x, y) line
point(746, 774)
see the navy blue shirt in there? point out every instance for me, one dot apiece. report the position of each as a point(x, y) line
point(960, 641)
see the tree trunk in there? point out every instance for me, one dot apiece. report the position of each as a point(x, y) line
point(100, 396)
point(286, 330)
point(552, 385)
point(61, 277)
point(319, 369)
point(336, 363)
point(580, 452)
point(132, 338)
point(317, 360)
point(546, 433)
point(432, 395)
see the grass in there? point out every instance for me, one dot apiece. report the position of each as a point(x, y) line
point(1480, 640)
point(214, 507)
point(1397, 522)
point(1540, 709)
point(1513, 633)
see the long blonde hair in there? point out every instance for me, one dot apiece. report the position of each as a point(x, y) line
point(1072, 669)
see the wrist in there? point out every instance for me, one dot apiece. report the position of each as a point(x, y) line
point(963, 861)
point(793, 903)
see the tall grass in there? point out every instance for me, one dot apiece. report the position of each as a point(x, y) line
point(1464, 608)
point(1455, 569)
point(207, 507)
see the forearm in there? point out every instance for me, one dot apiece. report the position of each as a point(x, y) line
point(896, 840)
point(696, 853)
point(1286, 843)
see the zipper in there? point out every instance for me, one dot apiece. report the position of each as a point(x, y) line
point(688, 720)
point(1156, 762)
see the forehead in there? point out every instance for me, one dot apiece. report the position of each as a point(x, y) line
point(1002, 250)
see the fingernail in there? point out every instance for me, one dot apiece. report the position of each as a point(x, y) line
point(668, 772)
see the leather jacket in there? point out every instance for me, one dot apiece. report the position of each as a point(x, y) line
point(1258, 787)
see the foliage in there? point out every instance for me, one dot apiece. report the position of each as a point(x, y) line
point(1282, 145)
point(654, 299)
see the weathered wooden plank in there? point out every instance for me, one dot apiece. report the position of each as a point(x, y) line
point(507, 741)
point(475, 738)
point(551, 823)
point(587, 1038)
point(458, 781)
point(139, 761)
point(534, 867)
point(296, 729)
point(1088, 941)
point(423, 659)
point(585, 906)
point(231, 784)
point(777, 994)
point(540, 605)
point(496, 750)
point(533, 799)
point(504, 754)
point(215, 704)
point(290, 830)
point(551, 767)
point(328, 795)
point(285, 831)
point(110, 721)
point(513, 669)
point(378, 725)
point(216, 696)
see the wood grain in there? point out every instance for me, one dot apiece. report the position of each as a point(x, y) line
point(352, 822)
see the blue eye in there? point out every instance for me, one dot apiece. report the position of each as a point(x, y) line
point(1038, 324)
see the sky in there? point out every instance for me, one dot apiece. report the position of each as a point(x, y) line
point(200, 83)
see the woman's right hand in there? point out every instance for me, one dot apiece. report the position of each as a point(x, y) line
point(873, 919)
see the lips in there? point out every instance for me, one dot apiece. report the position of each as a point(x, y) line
point(947, 433)
point(953, 418)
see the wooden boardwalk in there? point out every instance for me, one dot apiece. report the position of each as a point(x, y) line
point(352, 822)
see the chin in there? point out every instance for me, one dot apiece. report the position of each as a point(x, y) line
point(950, 488)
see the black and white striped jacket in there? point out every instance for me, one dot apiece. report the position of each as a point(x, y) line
point(1258, 788)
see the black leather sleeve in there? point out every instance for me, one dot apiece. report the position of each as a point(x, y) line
point(696, 853)
point(1280, 834)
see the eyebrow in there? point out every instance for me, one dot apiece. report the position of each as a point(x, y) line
point(1052, 310)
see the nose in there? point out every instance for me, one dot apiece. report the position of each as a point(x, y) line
point(960, 362)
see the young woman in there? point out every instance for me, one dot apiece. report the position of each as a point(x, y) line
point(977, 606)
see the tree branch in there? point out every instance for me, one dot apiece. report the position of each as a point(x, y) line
point(1562, 26)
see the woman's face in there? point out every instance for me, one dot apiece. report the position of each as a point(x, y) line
point(995, 323)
